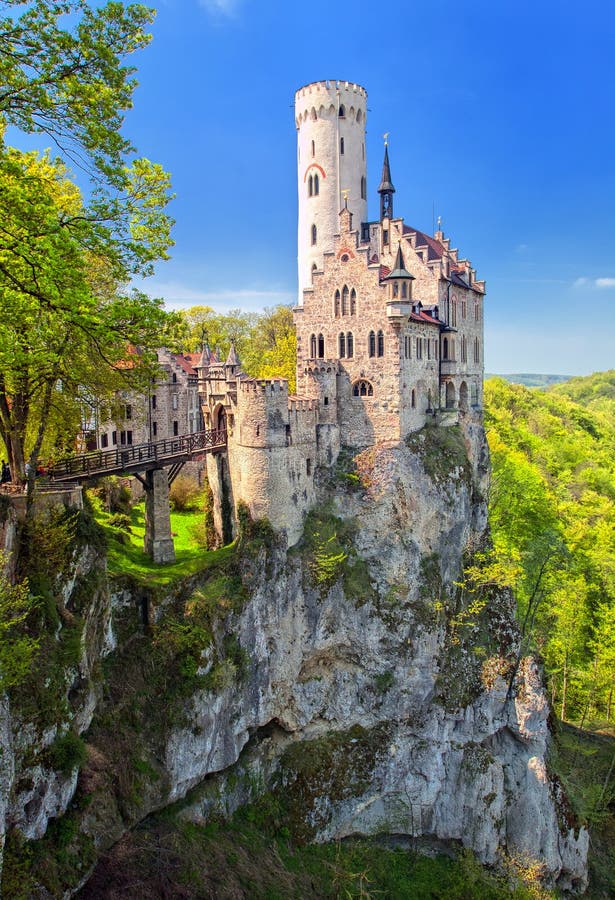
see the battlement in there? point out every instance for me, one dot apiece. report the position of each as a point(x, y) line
point(301, 404)
point(330, 85)
point(263, 386)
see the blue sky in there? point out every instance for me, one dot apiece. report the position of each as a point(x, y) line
point(500, 114)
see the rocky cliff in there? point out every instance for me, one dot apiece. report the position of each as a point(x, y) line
point(360, 677)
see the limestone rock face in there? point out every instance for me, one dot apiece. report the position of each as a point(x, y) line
point(419, 731)
point(368, 694)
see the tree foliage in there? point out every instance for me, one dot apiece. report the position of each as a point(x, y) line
point(552, 508)
point(67, 319)
point(266, 342)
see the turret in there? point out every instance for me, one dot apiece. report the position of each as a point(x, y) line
point(399, 290)
point(330, 120)
point(386, 189)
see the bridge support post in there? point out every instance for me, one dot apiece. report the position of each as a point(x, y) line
point(158, 540)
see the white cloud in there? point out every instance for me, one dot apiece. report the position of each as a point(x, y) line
point(594, 283)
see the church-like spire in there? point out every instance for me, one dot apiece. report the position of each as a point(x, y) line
point(232, 359)
point(386, 189)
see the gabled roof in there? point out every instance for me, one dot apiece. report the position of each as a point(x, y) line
point(435, 250)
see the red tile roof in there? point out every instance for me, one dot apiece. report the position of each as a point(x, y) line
point(435, 250)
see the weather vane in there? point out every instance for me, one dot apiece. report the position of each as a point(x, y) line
point(345, 193)
point(386, 138)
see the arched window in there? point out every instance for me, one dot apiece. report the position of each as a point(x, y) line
point(463, 396)
point(310, 186)
point(313, 346)
point(464, 308)
point(316, 186)
point(476, 350)
point(341, 146)
point(314, 269)
point(419, 348)
point(345, 300)
point(404, 289)
point(321, 347)
point(362, 388)
point(413, 399)
point(314, 235)
point(363, 188)
point(336, 304)
point(476, 311)
point(372, 344)
point(445, 348)
point(313, 149)
point(342, 112)
point(353, 302)
point(474, 394)
point(342, 345)
point(464, 349)
point(313, 114)
point(454, 313)
point(349, 345)
point(380, 343)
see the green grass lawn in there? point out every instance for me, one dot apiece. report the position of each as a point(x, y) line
point(126, 555)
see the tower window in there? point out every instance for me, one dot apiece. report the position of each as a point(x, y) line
point(404, 289)
point(175, 428)
point(395, 288)
point(341, 146)
point(313, 346)
point(385, 237)
point(313, 149)
point(310, 186)
point(342, 345)
point(371, 344)
point(476, 350)
point(345, 300)
point(476, 311)
point(380, 343)
point(353, 302)
point(350, 345)
point(316, 186)
point(363, 188)
point(445, 348)
point(336, 304)
point(342, 112)
point(321, 347)
point(413, 399)
point(314, 235)
point(314, 269)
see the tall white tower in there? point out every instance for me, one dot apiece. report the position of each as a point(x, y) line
point(330, 118)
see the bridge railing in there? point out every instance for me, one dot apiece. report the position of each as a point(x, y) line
point(130, 456)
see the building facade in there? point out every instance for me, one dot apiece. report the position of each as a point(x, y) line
point(389, 327)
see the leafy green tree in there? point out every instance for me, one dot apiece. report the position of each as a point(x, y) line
point(63, 260)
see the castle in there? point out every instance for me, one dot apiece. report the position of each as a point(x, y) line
point(389, 331)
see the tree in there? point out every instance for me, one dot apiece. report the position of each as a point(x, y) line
point(66, 326)
point(63, 261)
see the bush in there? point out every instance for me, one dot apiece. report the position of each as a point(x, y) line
point(115, 494)
point(184, 493)
point(67, 752)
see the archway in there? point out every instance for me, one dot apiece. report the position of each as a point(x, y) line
point(463, 396)
point(450, 395)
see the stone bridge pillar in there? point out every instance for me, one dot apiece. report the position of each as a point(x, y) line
point(158, 539)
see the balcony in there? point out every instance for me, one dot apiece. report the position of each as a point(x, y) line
point(448, 366)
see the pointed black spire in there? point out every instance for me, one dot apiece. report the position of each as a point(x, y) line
point(399, 269)
point(386, 189)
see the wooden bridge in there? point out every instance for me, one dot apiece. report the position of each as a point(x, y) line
point(147, 462)
point(132, 459)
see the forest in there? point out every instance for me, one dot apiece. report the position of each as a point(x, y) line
point(552, 509)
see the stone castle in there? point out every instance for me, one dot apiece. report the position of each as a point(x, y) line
point(389, 327)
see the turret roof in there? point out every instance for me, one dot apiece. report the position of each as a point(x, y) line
point(385, 183)
point(399, 269)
